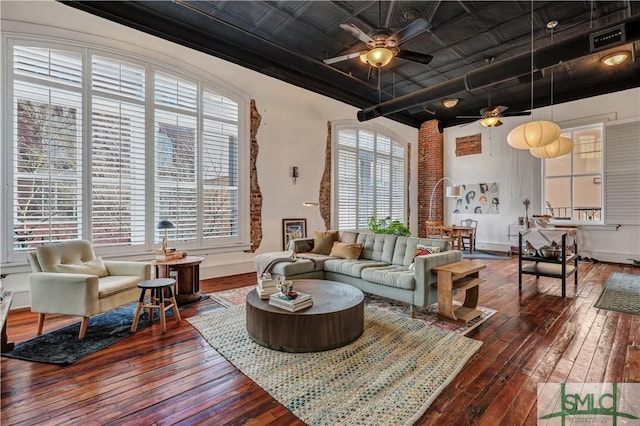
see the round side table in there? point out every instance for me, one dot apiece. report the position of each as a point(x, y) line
point(157, 300)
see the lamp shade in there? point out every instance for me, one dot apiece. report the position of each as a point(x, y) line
point(379, 56)
point(453, 191)
point(558, 148)
point(165, 224)
point(534, 134)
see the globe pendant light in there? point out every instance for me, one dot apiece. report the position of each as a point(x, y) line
point(534, 134)
point(558, 148)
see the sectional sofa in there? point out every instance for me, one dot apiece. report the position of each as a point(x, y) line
point(386, 265)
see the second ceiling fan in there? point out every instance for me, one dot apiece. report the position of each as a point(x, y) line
point(383, 44)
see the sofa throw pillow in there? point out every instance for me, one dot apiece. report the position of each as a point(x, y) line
point(346, 251)
point(323, 241)
point(423, 250)
point(92, 267)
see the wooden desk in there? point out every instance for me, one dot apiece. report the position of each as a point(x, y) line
point(457, 232)
point(7, 298)
point(459, 276)
point(187, 276)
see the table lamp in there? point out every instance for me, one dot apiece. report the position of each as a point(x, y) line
point(165, 224)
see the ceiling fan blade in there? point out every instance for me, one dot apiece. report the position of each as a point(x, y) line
point(516, 114)
point(468, 116)
point(357, 32)
point(420, 58)
point(412, 30)
point(342, 58)
point(499, 109)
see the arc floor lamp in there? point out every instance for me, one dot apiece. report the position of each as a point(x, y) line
point(454, 191)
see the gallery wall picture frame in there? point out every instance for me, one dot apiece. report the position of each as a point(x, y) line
point(293, 228)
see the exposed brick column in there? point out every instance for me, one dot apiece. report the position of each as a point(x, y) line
point(324, 194)
point(255, 197)
point(430, 171)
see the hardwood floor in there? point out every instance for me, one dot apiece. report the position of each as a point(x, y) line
point(177, 378)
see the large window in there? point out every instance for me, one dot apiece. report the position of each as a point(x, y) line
point(371, 177)
point(103, 147)
point(573, 183)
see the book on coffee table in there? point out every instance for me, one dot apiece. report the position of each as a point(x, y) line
point(279, 300)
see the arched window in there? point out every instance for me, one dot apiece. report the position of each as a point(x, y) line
point(370, 175)
point(103, 146)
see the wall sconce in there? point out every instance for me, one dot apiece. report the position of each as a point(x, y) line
point(294, 173)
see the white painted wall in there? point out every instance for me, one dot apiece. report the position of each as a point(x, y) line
point(520, 174)
point(293, 130)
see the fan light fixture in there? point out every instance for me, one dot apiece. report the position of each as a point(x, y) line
point(450, 103)
point(377, 57)
point(558, 148)
point(490, 122)
point(616, 58)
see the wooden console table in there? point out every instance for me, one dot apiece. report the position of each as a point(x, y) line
point(459, 276)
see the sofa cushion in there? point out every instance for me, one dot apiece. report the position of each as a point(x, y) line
point(50, 256)
point(347, 237)
point(392, 276)
point(92, 267)
point(323, 241)
point(317, 259)
point(346, 251)
point(352, 268)
point(378, 247)
point(300, 266)
point(108, 286)
point(405, 249)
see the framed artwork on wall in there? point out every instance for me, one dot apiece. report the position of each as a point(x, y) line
point(293, 228)
point(479, 198)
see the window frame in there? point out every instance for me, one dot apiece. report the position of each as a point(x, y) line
point(239, 242)
point(351, 125)
point(573, 175)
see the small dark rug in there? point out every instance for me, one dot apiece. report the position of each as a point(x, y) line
point(621, 293)
point(62, 346)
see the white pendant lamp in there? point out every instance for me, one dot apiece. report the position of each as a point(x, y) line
point(558, 148)
point(534, 134)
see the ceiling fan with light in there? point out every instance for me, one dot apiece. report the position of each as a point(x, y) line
point(490, 116)
point(383, 45)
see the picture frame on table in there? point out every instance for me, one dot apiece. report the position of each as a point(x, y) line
point(293, 228)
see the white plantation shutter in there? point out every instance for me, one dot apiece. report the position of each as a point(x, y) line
point(371, 170)
point(117, 153)
point(622, 173)
point(47, 148)
point(95, 178)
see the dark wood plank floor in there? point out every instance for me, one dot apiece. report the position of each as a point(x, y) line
point(177, 378)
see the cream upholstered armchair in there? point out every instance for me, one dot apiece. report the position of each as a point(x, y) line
point(68, 279)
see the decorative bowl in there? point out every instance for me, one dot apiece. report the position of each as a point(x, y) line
point(550, 251)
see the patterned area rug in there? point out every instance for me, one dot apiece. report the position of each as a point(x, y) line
point(390, 375)
point(62, 346)
point(429, 314)
point(621, 293)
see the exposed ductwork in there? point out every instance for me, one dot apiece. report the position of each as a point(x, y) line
point(626, 31)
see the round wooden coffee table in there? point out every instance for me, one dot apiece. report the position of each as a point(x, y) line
point(335, 319)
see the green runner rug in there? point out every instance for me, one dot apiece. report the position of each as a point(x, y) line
point(390, 375)
point(621, 293)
